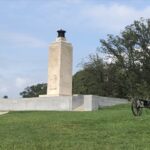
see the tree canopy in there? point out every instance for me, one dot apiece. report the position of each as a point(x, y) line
point(34, 90)
point(127, 71)
point(5, 97)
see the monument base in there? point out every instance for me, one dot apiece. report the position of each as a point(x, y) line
point(52, 95)
point(59, 103)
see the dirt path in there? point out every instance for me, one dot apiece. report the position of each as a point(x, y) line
point(2, 113)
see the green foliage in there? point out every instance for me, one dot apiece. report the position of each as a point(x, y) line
point(131, 53)
point(128, 73)
point(5, 97)
point(100, 78)
point(87, 80)
point(34, 90)
point(113, 128)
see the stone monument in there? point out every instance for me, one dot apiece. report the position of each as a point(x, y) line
point(60, 67)
point(59, 92)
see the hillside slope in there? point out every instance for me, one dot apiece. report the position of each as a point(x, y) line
point(112, 128)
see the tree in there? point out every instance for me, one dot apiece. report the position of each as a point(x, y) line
point(91, 79)
point(5, 97)
point(34, 90)
point(127, 71)
point(99, 78)
point(130, 52)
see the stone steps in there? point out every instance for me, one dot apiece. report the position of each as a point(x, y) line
point(80, 108)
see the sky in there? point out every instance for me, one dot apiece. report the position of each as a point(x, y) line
point(27, 27)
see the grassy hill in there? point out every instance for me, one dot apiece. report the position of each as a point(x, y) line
point(112, 128)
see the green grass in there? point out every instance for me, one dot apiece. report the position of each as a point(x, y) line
point(112, 128)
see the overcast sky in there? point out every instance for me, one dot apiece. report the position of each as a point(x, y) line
point(27, 27)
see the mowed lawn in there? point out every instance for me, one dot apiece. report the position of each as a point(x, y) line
point(113, 128)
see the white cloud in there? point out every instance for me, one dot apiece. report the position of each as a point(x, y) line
point(80, 15)
point(73, 1)
point(3, 90)
point(21, 40)
point(3, 87)
point(13, 85)
point(113, 17)
point(21, 82)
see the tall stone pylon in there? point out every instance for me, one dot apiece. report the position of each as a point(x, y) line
point(60, 67)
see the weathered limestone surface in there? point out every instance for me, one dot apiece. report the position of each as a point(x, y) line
point(60, 68)
point(93, 102)
point(59, 103)
point(77, 101)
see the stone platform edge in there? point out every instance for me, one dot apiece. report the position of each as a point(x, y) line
point(59, 103)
